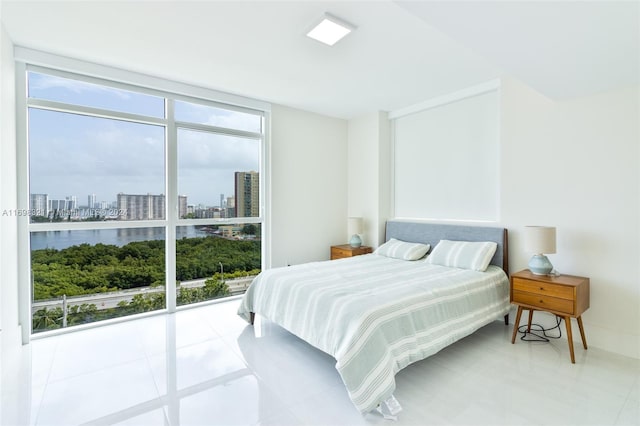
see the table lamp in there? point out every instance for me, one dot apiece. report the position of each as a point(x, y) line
point(540, 240)
point(355, 228)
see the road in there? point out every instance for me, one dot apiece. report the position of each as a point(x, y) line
point(111, 300)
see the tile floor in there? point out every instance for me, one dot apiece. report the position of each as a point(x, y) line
point(205, 366)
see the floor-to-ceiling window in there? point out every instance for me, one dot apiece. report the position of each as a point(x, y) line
point(139, 199)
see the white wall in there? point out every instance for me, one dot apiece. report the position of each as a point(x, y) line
point(14, 367)
point(575, 165)
point(308, 185)
point(449, 159)
point(8, 197)
point(3, 37)
point(369, 156)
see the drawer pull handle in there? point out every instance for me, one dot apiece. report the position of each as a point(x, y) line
point(542, 301)
point(542, 288)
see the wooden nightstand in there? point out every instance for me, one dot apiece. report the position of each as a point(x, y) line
point(345, 250)
point(567, 296)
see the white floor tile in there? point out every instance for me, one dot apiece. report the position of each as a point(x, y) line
point(207, 366)
point(95, 349)
point(284, 418)
point(209, 362)
point(332, 407)
point(635, 390)
point(223, 318)
point(290, 367)
point(88, 397)
point(240, 401)
point(42, 356)
point(153, 417)
point(191, 327)
point(629, 414)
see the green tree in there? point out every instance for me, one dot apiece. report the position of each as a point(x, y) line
point(81, 314)
point(249, 229)
point(213, 288)
point(90, 269)
point(47, 319)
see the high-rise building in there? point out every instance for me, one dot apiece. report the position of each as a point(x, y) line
point(39, 204)
point(59, 206)
point(91, 201)
point(230, 210)
point(182, 206)
point(247, 192)
point(72, 202)
point(140, 206)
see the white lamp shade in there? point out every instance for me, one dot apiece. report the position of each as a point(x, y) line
point(355, 225)
point(540, 239)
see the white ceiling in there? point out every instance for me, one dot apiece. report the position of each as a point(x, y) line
point(402, 53)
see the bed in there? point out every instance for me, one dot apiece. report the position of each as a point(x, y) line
point(377, 313)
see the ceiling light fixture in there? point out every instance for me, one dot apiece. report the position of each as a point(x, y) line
point(330, 30)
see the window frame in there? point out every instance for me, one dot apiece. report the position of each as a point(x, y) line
point(28, 61)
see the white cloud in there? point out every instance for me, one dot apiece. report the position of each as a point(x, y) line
point(78, 155)
point(45, 81)
point(219, 117)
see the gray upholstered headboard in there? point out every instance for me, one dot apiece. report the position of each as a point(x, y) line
point(432, 233)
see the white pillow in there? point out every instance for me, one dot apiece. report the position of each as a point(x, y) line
point(463, 254)
point(403, 250)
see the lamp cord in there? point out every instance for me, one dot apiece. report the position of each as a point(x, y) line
point(534, 335)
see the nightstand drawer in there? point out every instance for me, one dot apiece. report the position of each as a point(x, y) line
point(345, 250)
point(543, 302)
point(339, 253)
point(543, 288)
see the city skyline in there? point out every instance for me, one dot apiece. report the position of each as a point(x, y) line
point(129, 206)
point(244, 203)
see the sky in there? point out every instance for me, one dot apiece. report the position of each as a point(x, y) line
point(79, 155)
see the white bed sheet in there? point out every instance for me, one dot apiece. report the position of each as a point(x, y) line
point(375, 315)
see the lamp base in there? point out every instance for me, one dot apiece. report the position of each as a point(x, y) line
point(540, 265)
point(355, 241)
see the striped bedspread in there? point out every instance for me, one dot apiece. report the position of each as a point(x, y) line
point(375, 315)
